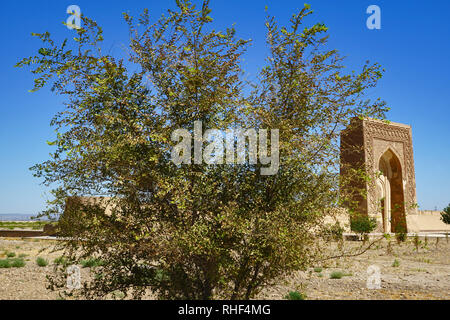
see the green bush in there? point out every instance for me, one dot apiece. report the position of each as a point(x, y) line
point(60, 261)
point(396, 263)
point(401, 236)
point(318, 270)
point(362, 224)
point(5, 263)
point(336, 275)
point(295, 295)
point(41, 262)
point(10, 254)
point(91, 263)
point(17, 263)
point(445, 215)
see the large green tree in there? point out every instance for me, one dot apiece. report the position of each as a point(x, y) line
point(195, 231)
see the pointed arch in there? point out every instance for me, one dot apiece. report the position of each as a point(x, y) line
point(393, 203)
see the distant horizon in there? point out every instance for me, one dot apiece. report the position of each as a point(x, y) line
point(14, 213)
point(19, 217)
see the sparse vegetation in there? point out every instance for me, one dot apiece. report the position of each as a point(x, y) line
point(340, 274)
point(318, 269)
point(10, 254)
point(389, 244)
point(61, 261)
point(17, 263)
point(5, 263)
point(295, 295)
point(41, 262)
point(400, 236)
point(91, 263)
point(417, 242)
point(118, 295)
point(396, 263)
point(336, 275)
point(413, 266)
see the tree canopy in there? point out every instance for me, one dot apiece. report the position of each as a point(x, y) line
point(196, 231)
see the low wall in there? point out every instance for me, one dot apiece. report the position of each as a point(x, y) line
point(21, 233)
point(423, 221)
point(429, 221)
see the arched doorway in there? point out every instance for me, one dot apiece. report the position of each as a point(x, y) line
point(392, 201)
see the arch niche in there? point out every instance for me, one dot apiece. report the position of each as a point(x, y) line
point(392, 200)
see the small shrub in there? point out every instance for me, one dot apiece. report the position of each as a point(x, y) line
point(10, 254)
point(400, 236)
point(445, 215)
point(389, 247)
point(91, 263)
point(4, 263)
point(396, 263)
point(22, 255)
point(417, 242)
point(17, 263)
point(161, 275)
point(400, 232)
point(318, 270)
point(118, 295)
point(41, 262)
point(363, 224)
point(336, 275)
point(99, 276)
point(60, 261)
point(295, 295)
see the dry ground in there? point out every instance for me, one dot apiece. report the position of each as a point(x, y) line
point(419, 275)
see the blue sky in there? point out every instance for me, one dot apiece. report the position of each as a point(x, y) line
point(413, 46)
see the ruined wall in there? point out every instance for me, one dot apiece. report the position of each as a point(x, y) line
point(366, 141)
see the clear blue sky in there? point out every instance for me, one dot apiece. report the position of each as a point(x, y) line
point(413, 46)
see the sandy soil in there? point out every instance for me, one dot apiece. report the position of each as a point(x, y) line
point(419, 275)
